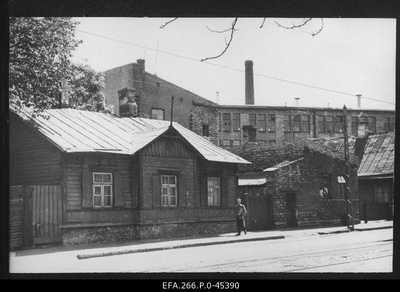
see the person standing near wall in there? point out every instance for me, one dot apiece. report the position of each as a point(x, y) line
point(240, 212)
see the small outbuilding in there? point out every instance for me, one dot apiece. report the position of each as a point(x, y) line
point(297, 184)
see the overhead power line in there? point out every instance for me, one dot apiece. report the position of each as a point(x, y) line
point(234, 69)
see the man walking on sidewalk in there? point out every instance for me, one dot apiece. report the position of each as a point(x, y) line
point(240, 212)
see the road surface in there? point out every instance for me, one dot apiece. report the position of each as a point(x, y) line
point(367, 251)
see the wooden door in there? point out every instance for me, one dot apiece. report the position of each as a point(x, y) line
point(46, 214)
point(291, 212)
point(259, 212)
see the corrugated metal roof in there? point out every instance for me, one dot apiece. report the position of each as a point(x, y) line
point(83, 131)
point(378, 157)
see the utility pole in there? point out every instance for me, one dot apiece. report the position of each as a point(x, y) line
point(349, 200)
point(172, 109)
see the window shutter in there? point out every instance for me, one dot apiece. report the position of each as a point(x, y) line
point(156, 179)
point(182, 200)
point(203, 191)
point(224, 191)
point(119, 199)
point(87, 189)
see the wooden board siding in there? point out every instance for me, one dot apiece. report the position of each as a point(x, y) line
point(16, 212)
point(33, 159)
point(182, 168)
point(80, 166)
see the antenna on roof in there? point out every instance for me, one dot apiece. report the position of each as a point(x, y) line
point(172, 109)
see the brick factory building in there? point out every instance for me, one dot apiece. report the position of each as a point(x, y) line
point(230, 125)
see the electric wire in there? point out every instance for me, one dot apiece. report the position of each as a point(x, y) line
point(234, 69)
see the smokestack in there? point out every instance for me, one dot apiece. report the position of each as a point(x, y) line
point(297, 101)
point(218, 97)
point(249, 82)
point(358, 100)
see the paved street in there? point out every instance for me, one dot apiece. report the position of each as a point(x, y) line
point(368, 251)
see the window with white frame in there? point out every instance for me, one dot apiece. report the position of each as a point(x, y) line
point(214, 191)
point(102, 189)
point(168, 191)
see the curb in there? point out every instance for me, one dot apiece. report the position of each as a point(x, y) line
point(122, 252)
point(355, 229)
point(140, 250)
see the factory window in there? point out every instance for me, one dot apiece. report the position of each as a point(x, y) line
point(226, 122)
point(296, 123)
point(236, 122)
point(236, 143)
point(339, 124)
point(329, 124)
point(305, 124)
point(252, 120)
point(226, 143)
point(271, 123)
point(321, 124)
point(262, 123)
point(286, 123)
point(372, 125)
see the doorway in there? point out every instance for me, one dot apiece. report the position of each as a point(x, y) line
point(291, 212)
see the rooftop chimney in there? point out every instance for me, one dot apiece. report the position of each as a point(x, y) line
point(141, 63)
point(249, 82)
point(64, 100)
point(358, 100)
point(297, 101)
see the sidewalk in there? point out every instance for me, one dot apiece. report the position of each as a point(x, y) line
point(136, 246)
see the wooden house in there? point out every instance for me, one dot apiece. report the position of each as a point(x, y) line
point(296, 184)
point(82, 177)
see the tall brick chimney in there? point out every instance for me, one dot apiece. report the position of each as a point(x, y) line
point(249, 82)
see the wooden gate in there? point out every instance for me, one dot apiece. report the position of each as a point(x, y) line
point(259, 212)
point(46, 213)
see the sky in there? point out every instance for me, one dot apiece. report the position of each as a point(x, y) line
point(348, 57)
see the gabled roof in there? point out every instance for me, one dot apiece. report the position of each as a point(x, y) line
point(83, 131)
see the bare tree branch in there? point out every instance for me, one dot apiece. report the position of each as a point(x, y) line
point(168, 22)
point(305, 21)
point(262, 24)
point(218, 31)
point(318, 31)
point(232, 30)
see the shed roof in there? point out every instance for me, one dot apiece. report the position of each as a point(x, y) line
point(377, 155)
point(84, 131)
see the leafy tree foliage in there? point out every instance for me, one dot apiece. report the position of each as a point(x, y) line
point(39, 58)
point(86, 89)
